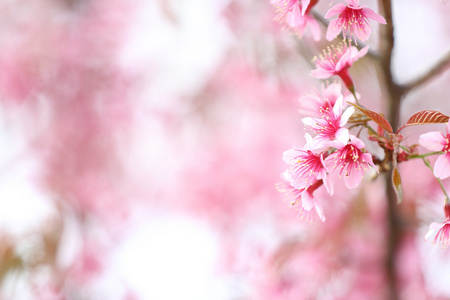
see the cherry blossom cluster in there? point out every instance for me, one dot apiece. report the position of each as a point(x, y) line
point(332, 150)
point(353, 19)
point(336, 118)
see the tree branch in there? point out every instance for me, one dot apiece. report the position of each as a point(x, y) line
point(437, 69)
point(393, 94)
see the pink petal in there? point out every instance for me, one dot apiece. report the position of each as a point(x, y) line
point(321, 73)
point(330, 162)
point(345, 60)
point(448, 126)
point(319, 211)
point(335, 10)
point(357, 142)
point(346, 115)
point(332, 91)
point(353, 179)
point(358, 54)
point(315, 28)
point(294, 18)
point(286, 175)
point(354, 3)
point(307, 201)
point(342, 135)
point(369, 13)
point(290, 156)
point(337, 108)
point(305, 4)
point(433, 227)
point(313, 144)
point(368, 159)
point(442, 166)
point(433, 141)
point(308, 121)
point(363, 33)
point(328, 185)
point(333, 29)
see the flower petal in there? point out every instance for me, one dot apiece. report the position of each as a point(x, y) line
point(307, 200)
point(321, 73)
point(314, 27)
point(345, 61)
point(319, 211)
point(294, 17)
point(346, 115)
point(442, 166)
point(290, 156)
point(358, 54)
point(335, 10)
point(305, 4)
point(357, 142)
point(328, 185)
point(342, 135)
point(369, 13)
point(333, 29)
point(433, 141)
point(308, 121)
point(353, 178)
point(363, 32)
point(433, 227)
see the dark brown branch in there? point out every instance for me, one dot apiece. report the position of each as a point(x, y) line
point(393, 94)
point(437, 69)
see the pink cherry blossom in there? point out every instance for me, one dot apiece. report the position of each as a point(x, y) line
point(302, 199)
point(306, 166)
point(436, 141)
point(353, 20)
point(330, 126)
point(443, 229)
point(442, 235)
point(295, 14)
point(351, 160)
point(337, 61)
point(312, 103)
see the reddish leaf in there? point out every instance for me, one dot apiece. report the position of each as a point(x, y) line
point(427, 117)
point(376, 117)
point(397, 184)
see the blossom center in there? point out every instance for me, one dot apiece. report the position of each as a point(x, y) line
point(443, 235)
point(350, 157)
point(446, 148)
point(308, 167)
point(330, 57)
point(330, 125)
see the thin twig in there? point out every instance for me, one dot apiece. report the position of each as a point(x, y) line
point(437, 69)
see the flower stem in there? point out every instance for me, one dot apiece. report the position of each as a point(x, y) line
point(427, 163)
point(422, 156)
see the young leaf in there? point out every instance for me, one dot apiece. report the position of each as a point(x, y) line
point(427, 117)
point(376, 117)
point(397, 184)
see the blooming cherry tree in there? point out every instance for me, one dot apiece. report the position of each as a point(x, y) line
point(340, 145)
